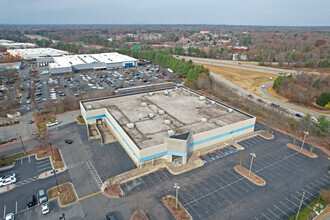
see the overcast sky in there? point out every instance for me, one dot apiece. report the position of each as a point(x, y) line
point(230, 12)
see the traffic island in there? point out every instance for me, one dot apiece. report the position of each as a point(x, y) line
point(303, 151)
point(65, 194)
point(179, 213)
point(265, 134)
point(139, 215)
point(250, 176)
point(112, 190)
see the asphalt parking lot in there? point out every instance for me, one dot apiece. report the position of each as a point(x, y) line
point(218, 154)
point(217, 191)
point(27, 170)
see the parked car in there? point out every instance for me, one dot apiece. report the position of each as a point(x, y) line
point(260, 100)
point(10, 216)
point(250, 96)
point(31, 201)
point(68, 141)
point(30, 121)
point(111, 216)
point(44, 208)
point(298, 115)
point(42, 196)
point(50, 124)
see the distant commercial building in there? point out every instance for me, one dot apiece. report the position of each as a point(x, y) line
point(10, 66)
point(34, 53)
point(75, 63)
point(11, 44)
point(167, 123)
point(204, 32)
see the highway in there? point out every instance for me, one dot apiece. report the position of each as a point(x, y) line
point(270, 98)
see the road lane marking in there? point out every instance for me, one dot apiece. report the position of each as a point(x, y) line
point(93, 194)
point(29, 159)
point(16, 208)
point(4, 211)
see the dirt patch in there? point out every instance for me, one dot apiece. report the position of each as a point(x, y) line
point(113, 190)
point(252, 177)
point(179, 213)
point(249, 80)
point(139, 215)
point(303, 151)
point(41, 119)
point(66, 196)
point(79, 119)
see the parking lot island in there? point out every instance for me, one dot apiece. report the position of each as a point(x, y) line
point(139, 215)
point(303, 151)
point(250, 176)
point(64, 193)
point(179, 212)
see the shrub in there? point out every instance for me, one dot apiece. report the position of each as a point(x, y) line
point(323, 99)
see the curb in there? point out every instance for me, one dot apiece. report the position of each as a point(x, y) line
point(258, 184)
point(58, 198)
point(50, 173)
point(7, 188)
point(8, 167)
point(292, 146)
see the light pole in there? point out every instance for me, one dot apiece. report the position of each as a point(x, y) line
point(252, 156)
point(20, 137)
point(176, 187)
point(302, 145)
point(54, 171)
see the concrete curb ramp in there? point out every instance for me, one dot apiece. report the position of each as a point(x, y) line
point(51, 173)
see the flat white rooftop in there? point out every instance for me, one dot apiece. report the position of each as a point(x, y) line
point(33, 53)
point(185, 110)
point(71, 60)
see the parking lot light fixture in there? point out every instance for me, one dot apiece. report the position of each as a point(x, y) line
point(252, 156)
point(302, 145)
point(176, 187)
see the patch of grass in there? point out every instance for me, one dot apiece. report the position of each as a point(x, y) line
point(42, 118)
point(178, 213)
point(307, 212)
point(66, 195)
point(80, 119)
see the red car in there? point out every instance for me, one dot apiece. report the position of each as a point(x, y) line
point(34, 71)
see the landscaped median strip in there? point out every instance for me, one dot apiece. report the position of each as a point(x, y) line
point(179, 212)
point(250, 176)
point(302, 150)
point(65, 193)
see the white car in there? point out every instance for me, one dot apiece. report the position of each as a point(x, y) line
point(10, 216)
point(44, 208)
point(49, 124)
point(7, 180)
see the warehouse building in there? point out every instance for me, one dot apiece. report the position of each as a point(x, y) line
point(76, 63)
point(167, 124)
point(34, 53)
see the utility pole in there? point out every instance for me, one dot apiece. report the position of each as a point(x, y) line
point(252, 156)
point(176, 187)
point(20, 137)
point(301, 202)
point(302, 145)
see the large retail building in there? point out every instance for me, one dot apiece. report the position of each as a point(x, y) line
point(168, 123)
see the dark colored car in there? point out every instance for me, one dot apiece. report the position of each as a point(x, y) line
point(31, 201)
point(68, 141)
point(298, 115)
point(260, 100)
point(111, 216)
point(250, 96)
point(30, 122)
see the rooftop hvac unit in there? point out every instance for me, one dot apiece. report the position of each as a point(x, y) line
point(166, 92)
point(204, 120)
point(150, 93)
point(167, 122)
point(130, 125)
point(212, 102)
point(171, 133)
point(161, 112)
point(89, 107)
point(202, 98)
point(229, 110)
point(151, 115)
point(144, 104)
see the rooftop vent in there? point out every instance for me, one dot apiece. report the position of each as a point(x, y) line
point(171, 133)
point(229, 110)
point(130, 125)
point(166, 92)
point(202, 98)
point(212, 102)
point(204, 120)
point(167, 122)
point(151, 115)
point(150, 93)
point(144, 104)
point(161, 112)
point(89, 107)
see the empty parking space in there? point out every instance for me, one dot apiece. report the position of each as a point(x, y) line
point(218, 153)
point(252, 142)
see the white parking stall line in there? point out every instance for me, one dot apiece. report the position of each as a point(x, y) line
point(316, 186)
point(282, 211)
point(295, 204)
point(4, 211)
point(299, 199)
point(164, 173)
point(322, 184)
point(307, 192)
point(21, 161)
point(150, 178)
point(42, 161)
point(287, 206)
point(45, 168)
point(273, 213)
point(42, 165)
point(29, 159)
point(16, 208)
point(265, 216)
point(192, 208)
point(246, 141)
point(157, 176)
point(326, 181)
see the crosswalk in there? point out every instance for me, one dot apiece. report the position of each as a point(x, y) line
point(76, 164)
point(94, 173)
